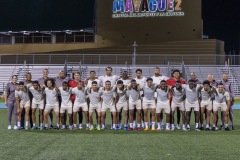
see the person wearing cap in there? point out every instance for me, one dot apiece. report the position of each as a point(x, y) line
point(172, 82)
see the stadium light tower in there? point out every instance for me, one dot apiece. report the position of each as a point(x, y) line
point(134, 53)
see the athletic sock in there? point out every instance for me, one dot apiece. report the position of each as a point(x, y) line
point(153, 124)
point(125, 125)
point(173, 126)
point(46, 125)
point(196, 125)
point(134, 123)
point(114, 125)
point(80, 124)
point(74, 125)
point(188, 126)
point(87, 125)
point(34, 125)
point(41, 124)
point(19, 124)
point(207, 126)
point(138, 125)
point(159, 124)
point(63, 126)
point(167, 125)
point(57, 124)
point(214, 125)
point(26, 123)
point(146, 124)
point(103, 125)
point(142, 124)
point(226, 125)
point(183, 125)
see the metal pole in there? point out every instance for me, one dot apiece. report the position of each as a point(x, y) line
point(134, 53)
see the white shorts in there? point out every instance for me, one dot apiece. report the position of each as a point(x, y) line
point(137, 104)
point(149, 104)
point(78, 105)
point(207, 105)
point(124, 105)
point(36, 104)
point(67, 107)
point(112, 108)
point(181, 106)
point(222, 106)
point(194, 105)
point(49, 107)
point(163, 106)
point(97, 107)
point(24, 105)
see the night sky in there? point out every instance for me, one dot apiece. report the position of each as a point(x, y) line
point(221, 18)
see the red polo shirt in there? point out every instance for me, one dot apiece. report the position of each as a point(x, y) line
point(73, 83)
point(172, 82)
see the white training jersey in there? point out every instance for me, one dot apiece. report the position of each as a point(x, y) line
point(122, 96)
point(37, 94)
point(65, 95)
point(177, 95)
point(113, 79)
point(222, 97)
point(191, 94)
point(22, 96)
point(149, 92)
point(108, 96)
point(162, 95)
point(51, 96)
point(141, 81)
point(134, 95)
point(89, 83)
point(95, 97)
point(80, 94)
point(158, 79)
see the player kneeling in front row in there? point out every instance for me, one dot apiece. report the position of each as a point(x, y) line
point(51, 93)
point(178, 97)
point(122, 104)
point(205, 94)
point(37, 102)
point(66, 104)
point(163, 104)
point(22, 101)
point(108, 102)
point(134, 103)
point(192, 102)
point(80, 102)
point(94, 94)
point(222, 101)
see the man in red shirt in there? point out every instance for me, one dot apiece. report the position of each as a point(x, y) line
point(73, 83)
point(171, 82)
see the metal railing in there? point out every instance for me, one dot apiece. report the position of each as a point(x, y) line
point(116, 59)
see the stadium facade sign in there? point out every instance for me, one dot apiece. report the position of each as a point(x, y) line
point(146, 8)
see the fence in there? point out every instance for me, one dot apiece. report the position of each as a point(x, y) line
point(116, 59)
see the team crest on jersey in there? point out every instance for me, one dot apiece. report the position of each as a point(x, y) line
point(146, 8)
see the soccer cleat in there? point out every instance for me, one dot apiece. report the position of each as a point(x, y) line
point(207, 129)
point(51, 126)
point(115, 128)
point(87, 128)
point(217, 129)
point(45, 128)
point(70, 128)
point(213, 128)
point(167, 129)
point(178, 127)
point(146, 129)
point(15, 127)
point(80, 127)
point(26, 128)
point(91, 128)
point(9, 127)
point(227, 129)
point(173, 128)
point(74, 128)
point(98, 128)
point(197, 129)
point(103, 128)
point(184, 129)
point(221, 128)
point(153, 129)
point(41, 127)
point(33, 128)
point(139, 128)
point(188, 128)
point(57, 128)
point(233, 128)
point(130, 129)
point(159, 129)
point(125, 128)
point(19, 128)
point(201, 128)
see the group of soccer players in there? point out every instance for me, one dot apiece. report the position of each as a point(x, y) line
point(136, 96)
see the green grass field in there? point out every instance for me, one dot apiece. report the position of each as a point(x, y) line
point(108, 144)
